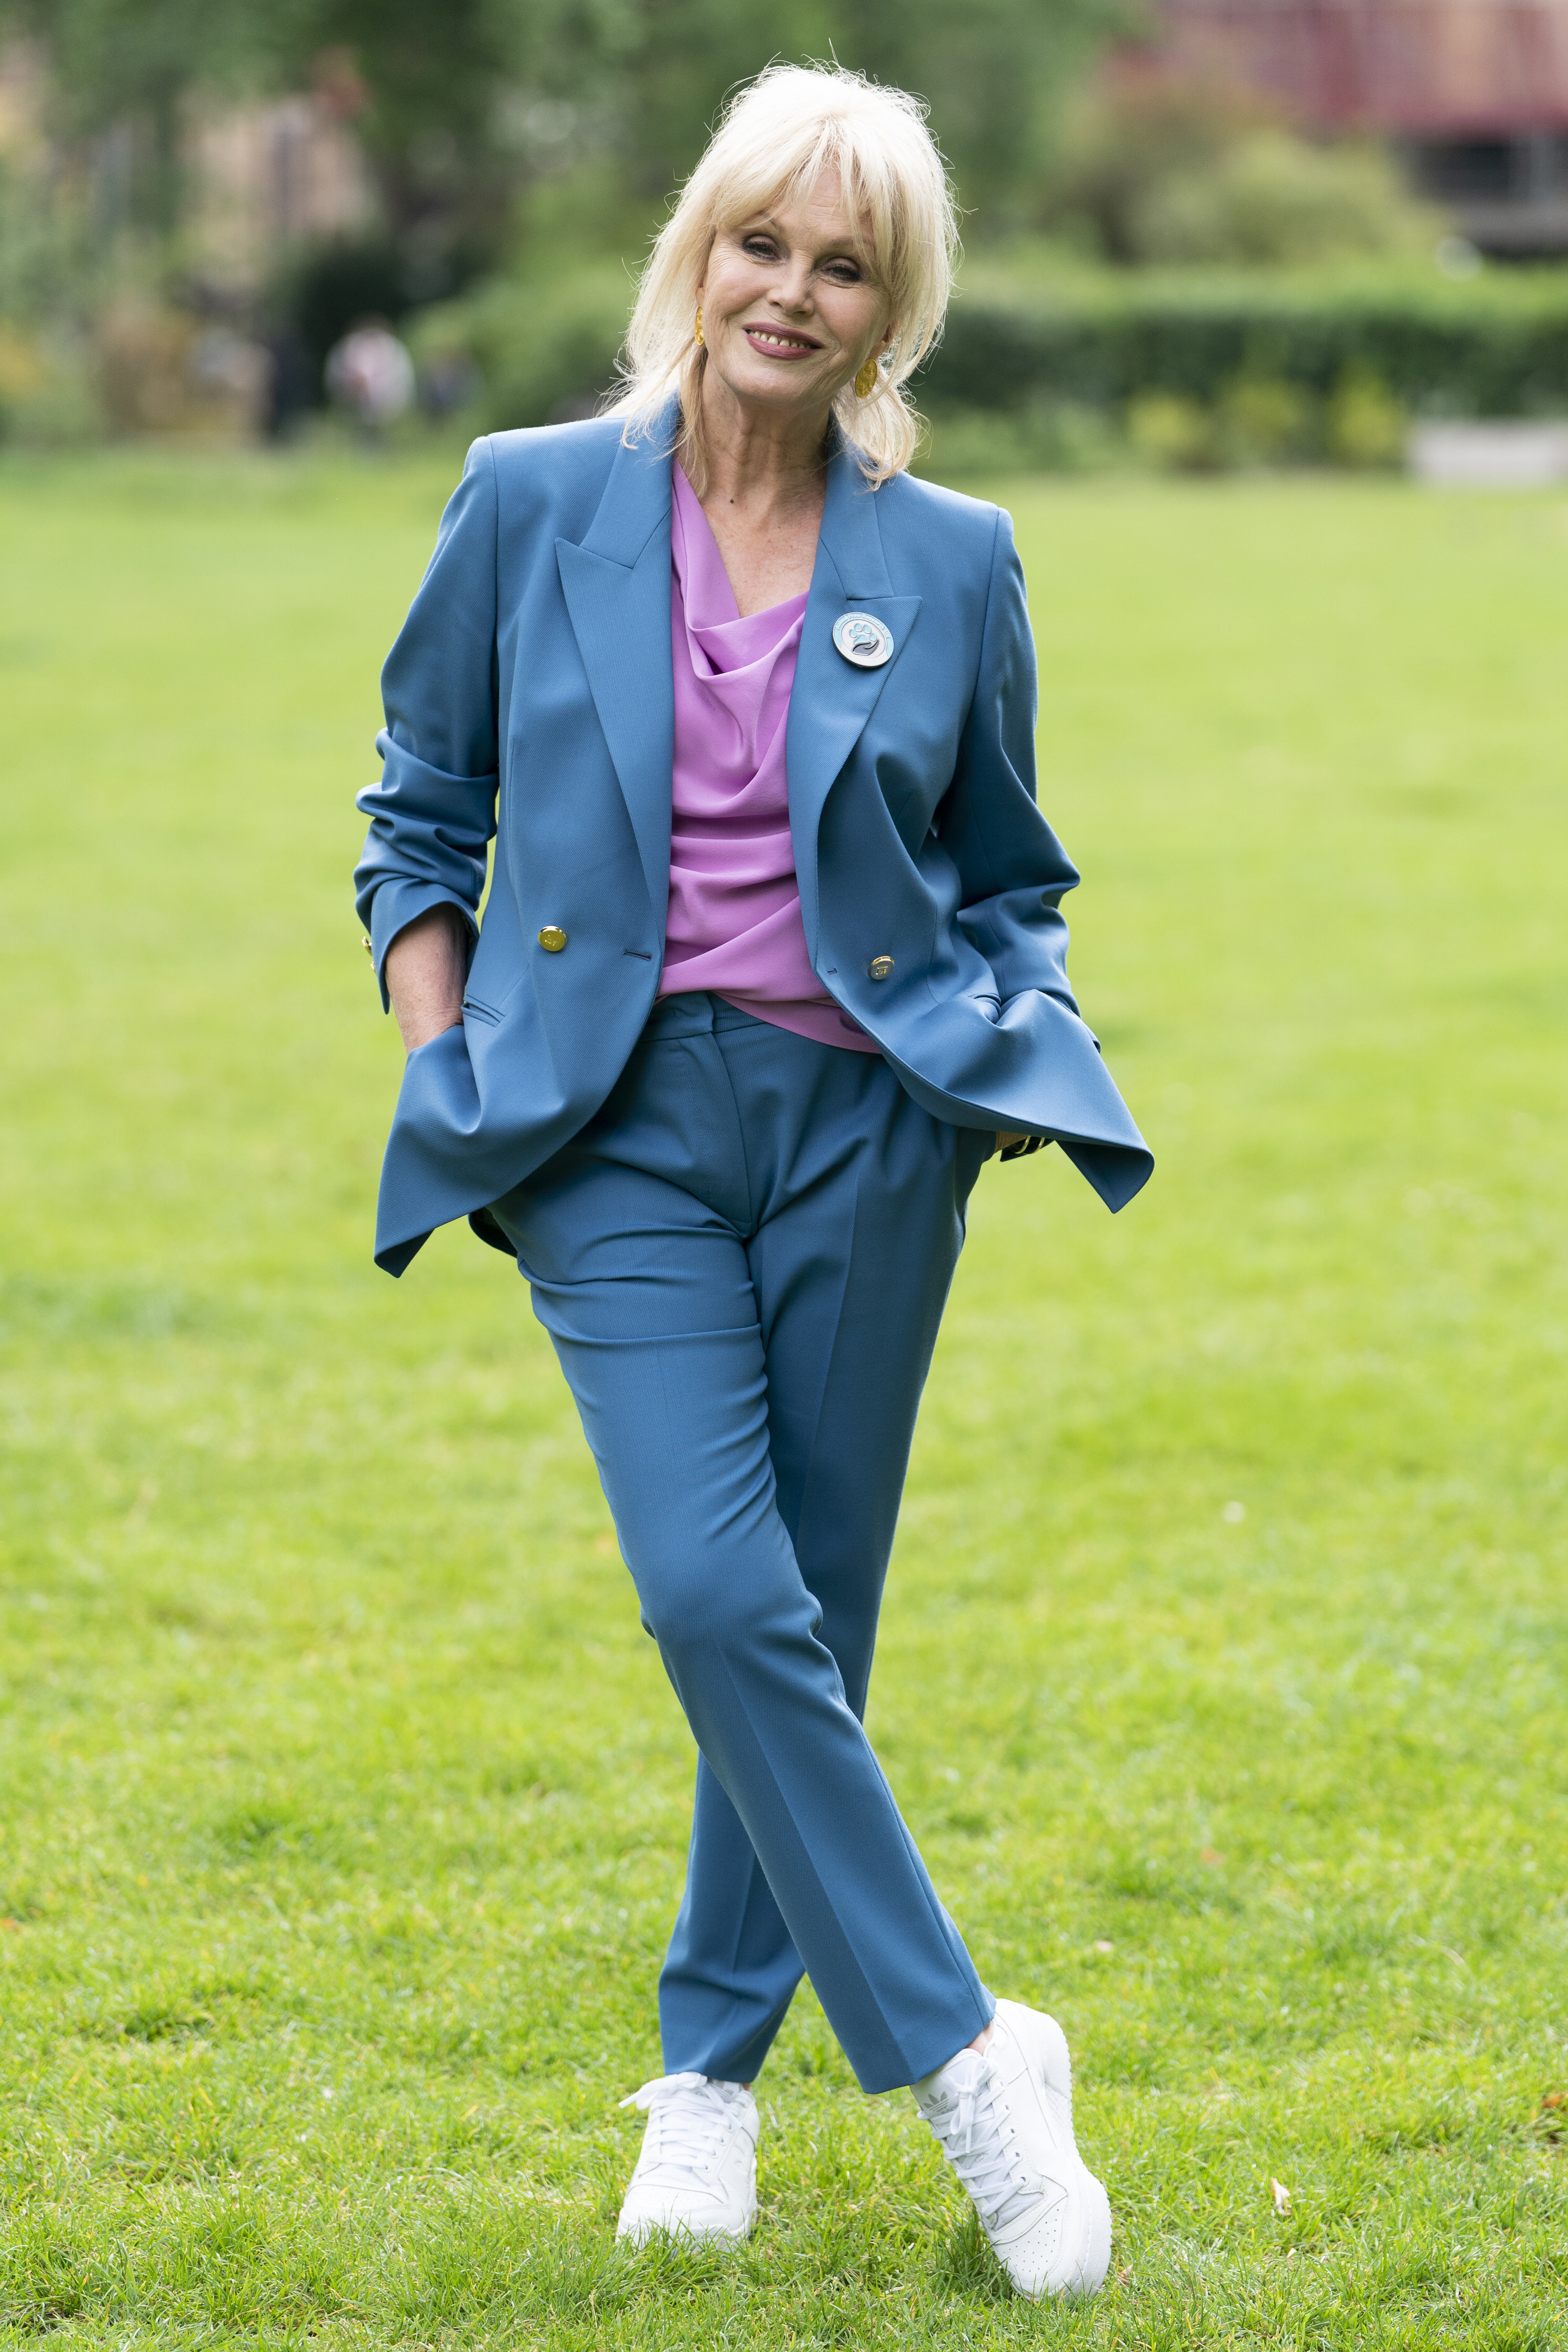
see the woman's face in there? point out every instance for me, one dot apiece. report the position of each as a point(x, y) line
point(791, 310)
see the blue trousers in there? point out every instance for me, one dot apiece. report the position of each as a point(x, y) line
point(742, 1261)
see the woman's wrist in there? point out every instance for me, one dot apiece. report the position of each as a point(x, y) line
point(427, 971)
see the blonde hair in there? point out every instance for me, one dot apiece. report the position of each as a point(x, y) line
point(776, 136)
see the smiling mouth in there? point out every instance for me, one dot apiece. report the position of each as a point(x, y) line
point(779, 343)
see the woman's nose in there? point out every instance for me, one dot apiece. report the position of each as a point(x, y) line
point(794, 290)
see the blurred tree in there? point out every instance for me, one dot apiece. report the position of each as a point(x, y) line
point(991, 70)
point(133, 61)
point(433, 85)
point(994, 72)
point(1122, 147)
point(460, 106)
point(424, 82)
point(1161, 171)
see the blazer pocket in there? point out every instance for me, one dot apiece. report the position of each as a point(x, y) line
point(473, 1009)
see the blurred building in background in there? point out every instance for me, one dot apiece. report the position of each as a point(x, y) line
point(267, 179)
point(1473, 92)
point(257, 179)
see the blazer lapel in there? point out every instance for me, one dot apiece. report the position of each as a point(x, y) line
point(832, 700)
point(617, 586)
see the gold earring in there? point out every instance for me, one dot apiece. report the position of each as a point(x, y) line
point(866, 381)
point(696, 330)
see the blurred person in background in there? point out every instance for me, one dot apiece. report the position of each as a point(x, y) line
point(370, 375)
point(771, 964)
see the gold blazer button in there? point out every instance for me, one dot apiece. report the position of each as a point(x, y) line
point(552, 939)
point(367, 946)
point(880, 967)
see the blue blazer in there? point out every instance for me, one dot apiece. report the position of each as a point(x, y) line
point(530, 697)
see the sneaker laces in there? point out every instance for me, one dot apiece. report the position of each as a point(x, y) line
point(977, 2136)
point(690, 2118)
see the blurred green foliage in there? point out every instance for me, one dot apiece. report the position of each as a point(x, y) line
point(1211, 368)
point(537, 354)
point(1274, 198)
point(1163, 172)
point(462, 107)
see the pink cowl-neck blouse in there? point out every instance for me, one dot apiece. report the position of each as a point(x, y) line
point(735, 923)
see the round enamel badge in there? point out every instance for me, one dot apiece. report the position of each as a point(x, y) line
point(863, 640)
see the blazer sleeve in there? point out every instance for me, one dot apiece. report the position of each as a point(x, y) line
point(1013, 871)
point(434, 811)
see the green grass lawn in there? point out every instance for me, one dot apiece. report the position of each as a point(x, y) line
point(1222, 1667)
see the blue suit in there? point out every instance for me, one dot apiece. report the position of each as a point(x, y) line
point(530, 697)
point(740, 1240)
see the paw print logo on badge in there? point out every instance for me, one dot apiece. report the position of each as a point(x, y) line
point(863, 640)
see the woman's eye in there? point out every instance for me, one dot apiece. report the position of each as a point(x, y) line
point(761, 248)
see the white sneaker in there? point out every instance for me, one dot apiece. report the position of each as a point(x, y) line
point(1005, 2120)
point(697, 2174)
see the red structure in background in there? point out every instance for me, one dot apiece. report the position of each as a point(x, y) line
point(1474, 92)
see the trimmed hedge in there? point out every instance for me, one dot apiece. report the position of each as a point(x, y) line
point(1496, 345)
point(541, 353)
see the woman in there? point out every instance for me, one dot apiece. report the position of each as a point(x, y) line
point(770, 964)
